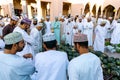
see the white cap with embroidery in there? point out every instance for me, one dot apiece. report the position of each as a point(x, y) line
point(48, 37)
point(13, 38)
point(16, 18)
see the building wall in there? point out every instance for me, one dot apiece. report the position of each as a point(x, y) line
point(56, 6)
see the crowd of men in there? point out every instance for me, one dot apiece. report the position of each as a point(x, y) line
point(29, 47)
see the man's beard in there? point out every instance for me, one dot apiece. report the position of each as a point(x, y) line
point(76, 50)
point(19, 50)
point(35, 23)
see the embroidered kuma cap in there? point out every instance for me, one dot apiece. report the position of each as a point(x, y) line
point(103, 22)
point(40, 24)
point(80, 38)
point(16, 18)
point(48, 37)
point(26, 20)
point(13, 38)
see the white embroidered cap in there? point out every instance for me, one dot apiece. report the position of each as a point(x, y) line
point(16, 18)
point(40, 24)
point(48, 37)
point(103, 22)
point(13, 38)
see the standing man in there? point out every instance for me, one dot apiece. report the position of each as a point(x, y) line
point(35, 34)
point(44, 25)
point(29, 41)
point(69, 32)
point(34, 24)
point(100, 34)
point(80, 25)
point(51, 64)
point(108, 28)
point(115, 39)
point(56, 27)
point(88, 30)
point(62, 30)
point(48, 25)
point(10, 27)
point(2, 44)
point(13, 67)
point(87, 66)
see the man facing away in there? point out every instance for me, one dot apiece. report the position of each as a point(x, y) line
point(12, 66)
point(51, 64)
point(87, 66)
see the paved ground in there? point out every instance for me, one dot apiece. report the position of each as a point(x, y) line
point(116, 55)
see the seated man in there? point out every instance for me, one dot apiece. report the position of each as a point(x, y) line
point(87, 66)
point(12, 66)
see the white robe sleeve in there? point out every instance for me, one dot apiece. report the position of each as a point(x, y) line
point(25, 68)
point(28, 39)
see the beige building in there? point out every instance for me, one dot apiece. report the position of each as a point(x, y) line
point(41, 8)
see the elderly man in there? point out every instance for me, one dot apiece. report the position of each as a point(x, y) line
point(51, 64)
point(10, 27)
point(13, 67)
point(62, 29)
point(87, 66)
point(37, 36)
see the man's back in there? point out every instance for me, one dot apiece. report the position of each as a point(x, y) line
point(51, 65)
point(85, 67)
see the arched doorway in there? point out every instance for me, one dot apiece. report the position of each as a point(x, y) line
point(118, 13)
point(99, 11)
point(94, 10)
point(109, 11)
point(17, 7)
point(66, 8)
point(87, 9)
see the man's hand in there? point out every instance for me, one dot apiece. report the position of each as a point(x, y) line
point(29, 55)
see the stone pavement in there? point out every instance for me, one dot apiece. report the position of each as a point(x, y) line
point(115, 55)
